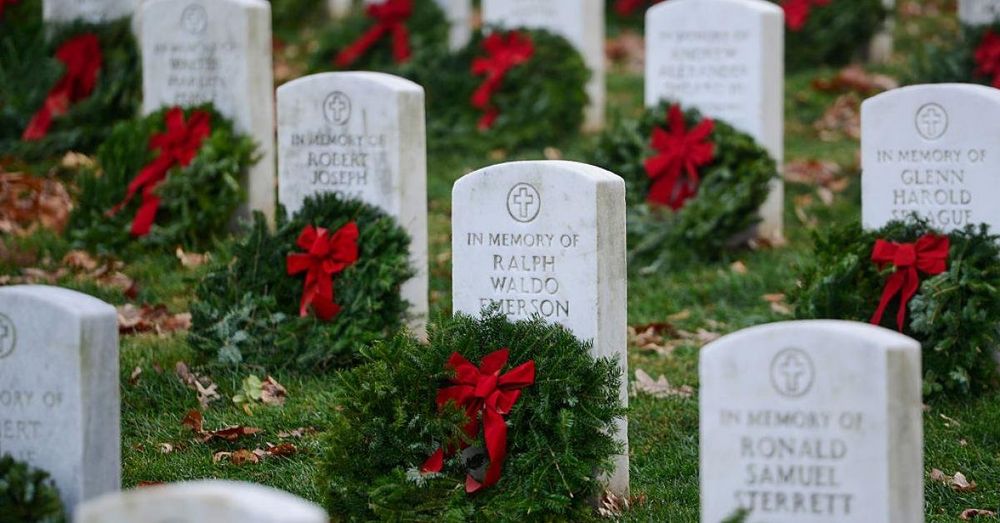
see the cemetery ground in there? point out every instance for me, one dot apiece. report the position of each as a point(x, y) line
point(673, 312)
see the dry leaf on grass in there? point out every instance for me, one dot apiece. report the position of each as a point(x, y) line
point(272, 393)
point(207, 390)
point(957, 482)
point(856, 78)
point(133, 378)
point(627, 50)
point(196, 423)
point(300, 432)
point(842, 118)
point(970, 513)
point(658, 388)
point(151, 318)
point(822, 173)
point(778, 305)
point(30, 202)
point(191, 260)
point(613, 506)
point(652, 337)
point(738, 267)
point(166, 448)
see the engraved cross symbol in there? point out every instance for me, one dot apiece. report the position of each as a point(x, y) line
point(337, 107)
point(793, 369)
point(931, 119)
point(524, 199)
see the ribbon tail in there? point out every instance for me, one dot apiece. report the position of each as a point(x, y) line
point(434, 464)
point(891, 288)
point(354, 51)
point(400, 43)
point(910, 285)
point(146, 215)
point(495, 432)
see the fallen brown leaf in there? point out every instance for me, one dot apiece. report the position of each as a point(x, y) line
point(272, 393)
point(195, 421)
point(855, 78)
point(166, 448)
point(970, 513)
point(191, 260)
point(778, 304)
point(133, 378)
point(738, 267)
point(74, 160)
point(627, 50)
point(297, 433)
point(842, 118)
point(151, 318)
point(658, 388)
point(958, 482)
point(207, 390)
point(30, 202)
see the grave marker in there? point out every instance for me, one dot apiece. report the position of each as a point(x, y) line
point(932, 150)
point(59, 402)
point(218, 51)
point(978, 12)
point(579, 21)
point(725, 58)
point(817, 421)
point(360, 134)
point(91, 11)
point(201, 501)
point(546, 238)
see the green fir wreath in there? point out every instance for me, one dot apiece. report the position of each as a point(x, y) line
point(388, 424)
point(828, 32)
point(197, 201)
point(539, 101)
point(29, 70)
point(27, 494)
point(246, 309)
point(427, 32)
point(972, 57)
point(732, 188)
point(954, 314)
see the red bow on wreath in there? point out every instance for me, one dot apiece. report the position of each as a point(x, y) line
point(503, 54)
point(629, 7)
point(177, 146)
point(4, 3)
point(484, 392)
point(928, 255)
point(681, 153)
point(390, 18)
point(326, 254)
point(988, 57)
point(797, 11)
point(81, 57)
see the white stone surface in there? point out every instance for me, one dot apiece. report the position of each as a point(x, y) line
point(546, 238)
point(219, 51)
point(201, 502)
point(459, 16)
point(978, 12)
point(933, 150)
point(59, 400)
point(93, 11)
point(810, 422)
point(361, 134)
point(726, 58)
point(579, 21)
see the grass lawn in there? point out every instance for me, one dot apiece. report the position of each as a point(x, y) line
point(960, 435)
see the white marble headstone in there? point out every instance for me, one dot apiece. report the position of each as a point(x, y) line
point(201, 502)
point(546, 238)
point(725, 58)
point(219, 51)
point(92, 11)
point(933, 150)
point(579, 21)
point(812, 421)
point(360, 134)
point(59, 402)
point(459, 16)
point(978, 12)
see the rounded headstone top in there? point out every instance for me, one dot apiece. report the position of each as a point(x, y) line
point(584, 171)
point(70, 301)
point(365, 79)
point(757, 6)
point(877, 337)
point(952, 90)
point(249, 4)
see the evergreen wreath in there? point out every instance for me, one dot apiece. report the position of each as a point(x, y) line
point(973, 57)
point(539, 99)
point(388, 424)
point(29, 70)
point(425, 31)
point(732, 187)
point(953, 313)
point(197, 201)
point(27, 494)
point(828, 32)
point(247, 310)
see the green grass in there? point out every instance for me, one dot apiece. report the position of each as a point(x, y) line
point(959, 435)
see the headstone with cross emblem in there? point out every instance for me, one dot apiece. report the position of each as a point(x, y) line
point(90, 11)
point(725, 58)
point(934, 151)
point(459, 16)
point(201, 502)
point(579, 21)
point(546, 238)
point(219, 52)
point(359, 134)
point(59, 406)
point(978, 12)
point(817, 421)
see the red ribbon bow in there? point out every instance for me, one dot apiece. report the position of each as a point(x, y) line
point(484, 392)
point(390, 18)
point(928, 255)
point(797, 11)
point(81, 56)
point(504, 52)
point(988, 57)
point(326, 254)
point(178, 145)
point(4, 3)
point(681, 153)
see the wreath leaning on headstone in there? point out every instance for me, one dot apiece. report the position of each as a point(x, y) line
point(27, 494)
point(691, 183)
point(389, 36)
point(973, 57)
point(65, 91)
point(171, 178)
point(939, 289)
point(492, 421)
point(828, 32)
point(309, 295)
point(505, 89)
